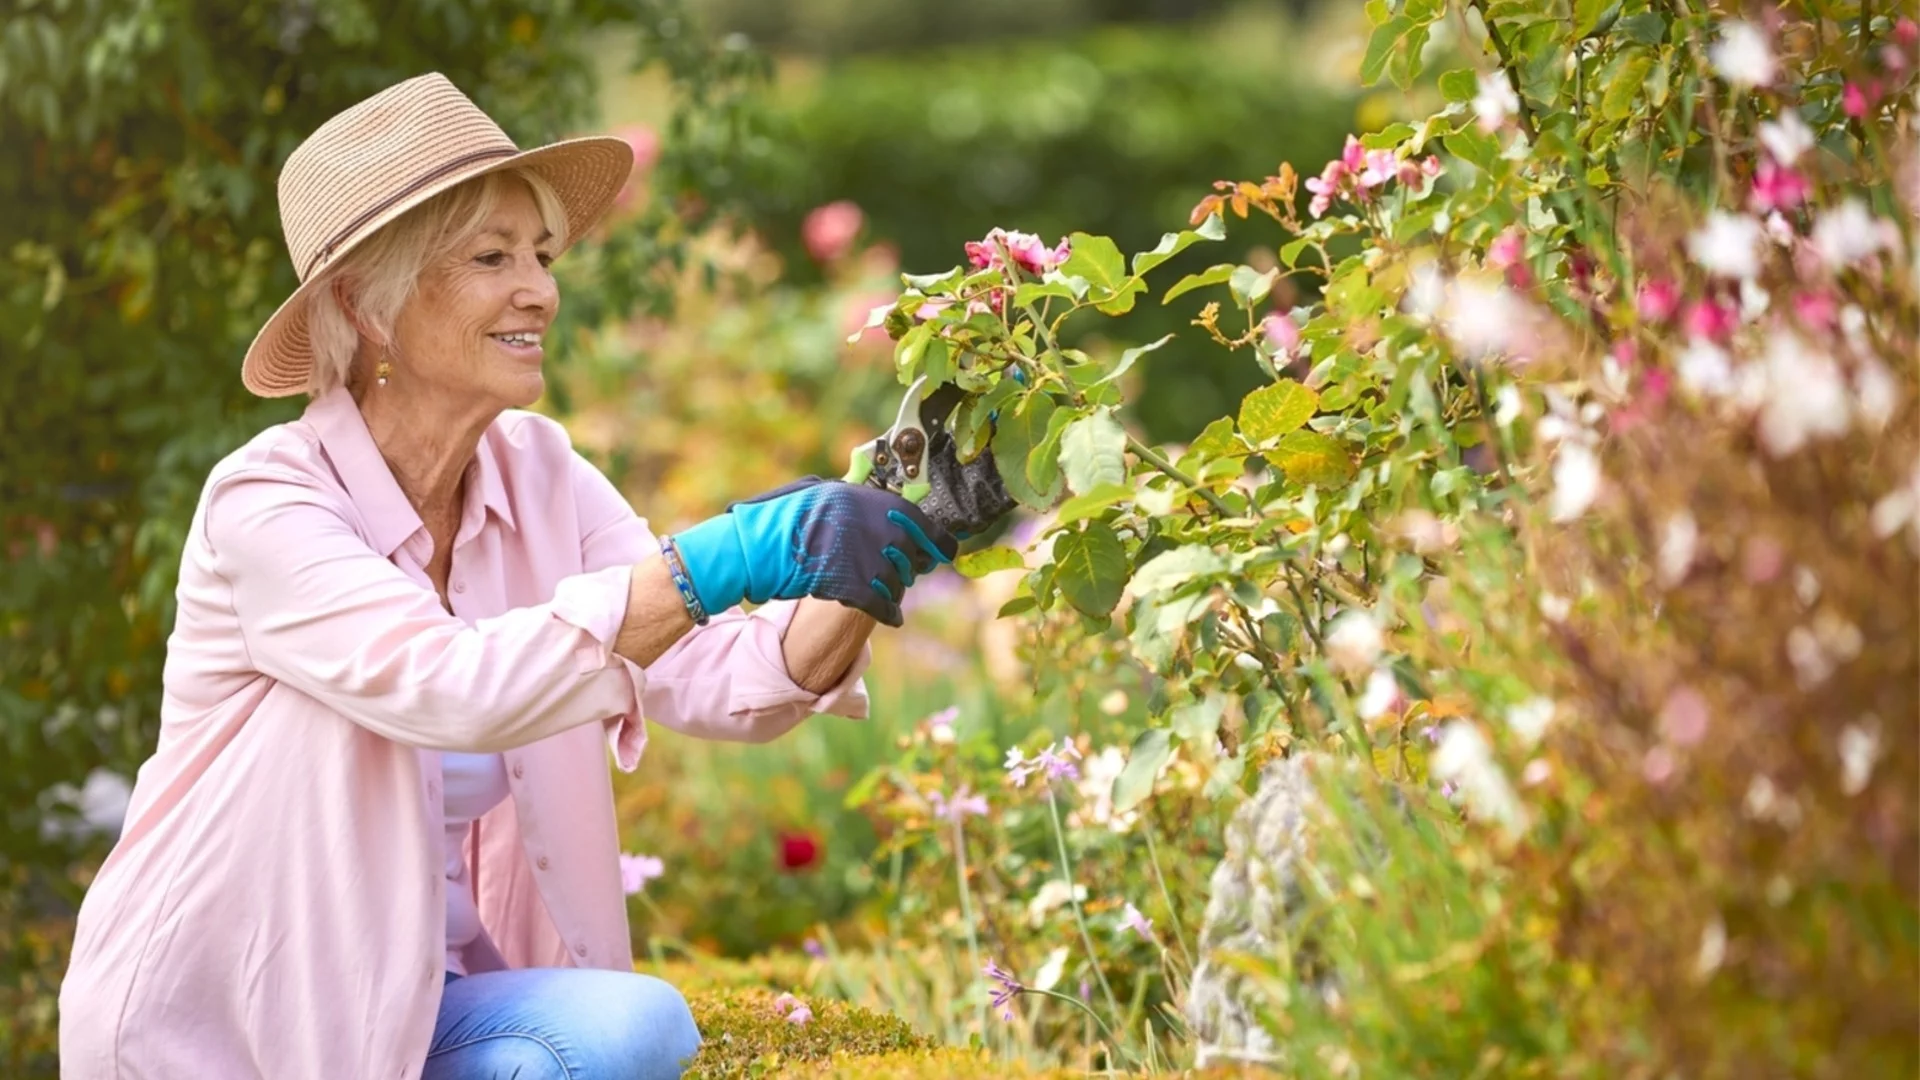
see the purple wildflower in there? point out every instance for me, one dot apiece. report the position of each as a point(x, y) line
point(1010, 988)
point(964, 802)
point(814, 948)
point(1057, 761)
point(637, 870)
point(1137, 923)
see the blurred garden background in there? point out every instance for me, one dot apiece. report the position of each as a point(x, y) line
point(1716, 875)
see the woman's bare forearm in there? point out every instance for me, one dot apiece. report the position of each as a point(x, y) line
point(822, 642)
point(656, 616)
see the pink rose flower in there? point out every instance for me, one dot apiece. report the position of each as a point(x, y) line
point(829, 231)
point(1657, 300)
point(1282, 333)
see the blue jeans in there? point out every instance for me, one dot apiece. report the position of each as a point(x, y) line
point(560, 1024)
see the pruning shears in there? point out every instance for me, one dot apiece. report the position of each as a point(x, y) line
point(897, 460)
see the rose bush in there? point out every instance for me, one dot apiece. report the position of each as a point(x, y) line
point(1584, 495)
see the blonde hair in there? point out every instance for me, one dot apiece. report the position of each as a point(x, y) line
point(380, 276)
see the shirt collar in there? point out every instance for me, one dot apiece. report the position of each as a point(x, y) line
point(336, 418)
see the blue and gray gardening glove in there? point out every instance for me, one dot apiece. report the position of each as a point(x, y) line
point(851, 543)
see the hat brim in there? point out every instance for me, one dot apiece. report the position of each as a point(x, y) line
point(586, 173)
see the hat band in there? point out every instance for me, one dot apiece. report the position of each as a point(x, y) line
point(387, 203)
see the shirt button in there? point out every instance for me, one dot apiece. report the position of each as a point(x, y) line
point(433, 790)
point(459, 586)
point(519, 770)
point(542, 864)
point(580, 949)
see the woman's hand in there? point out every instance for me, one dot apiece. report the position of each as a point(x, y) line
point(850, 543)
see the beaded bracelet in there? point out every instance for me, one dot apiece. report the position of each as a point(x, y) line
point(681, 581)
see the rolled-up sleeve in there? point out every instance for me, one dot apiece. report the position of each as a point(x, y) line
point(727, 680)
point(320, 610)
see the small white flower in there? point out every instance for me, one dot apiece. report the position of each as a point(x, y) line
point(1786, 138)
point(1705, 369)
point(1849, 233)
point(1713, 949)
point(1496, 100)
point(1530, 719)
point(1381, 692)
point(1354, 641)
point(1805, 399)
point(1859, 749)
point(1754, 301)
point(1576, 481)
point(1878, 393)
point(1811, 664)
point(1483, 318)
point(1464, 759)
point(1780, 230)
point(1743, 56)
point(1677, 543)
point(1555, 608)
point(1727, 245)
point(1426, 292)
point(1506, 405)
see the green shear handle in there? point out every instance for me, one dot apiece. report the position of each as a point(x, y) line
point(897, 460)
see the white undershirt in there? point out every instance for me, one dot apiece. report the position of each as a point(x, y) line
point(473, 784)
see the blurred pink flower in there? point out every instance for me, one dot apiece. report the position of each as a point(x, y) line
point(1778, 187)
point(1657, 300)
point(963, 805)
point(1138, 923)
point(1816, 309)
point(1744, 55)
point(801, 1015)
point(1282, 333)
point(1379, 166)
point(1325, 187)
point(1859, 98)
point(1056, 761)
point(646, 154)
point(1683, 719)
point(829, 231)
point(637, 870)
point(1712, 320)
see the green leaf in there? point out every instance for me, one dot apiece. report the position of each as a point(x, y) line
point(1217, 439)
point(1043, 465)
point(1093, 452)
point(1308, 457)
point(1030, 291)
point(1272, 411)
point(1586, 15)
point(1387, 137)
point(1174, 243)
point(1250, 286)
point(1212, 275)
point(1406, 63)
point(1176, 566)
point(1626, 79)
point(1646, 28)
point(1472, 145)
point(1098, 259)
point(1015, 438)
point(1199, 721)
point(906, 356)
point(978, 564)
point(1380, 46)
point(1135, 782)
point(1461, 85)
point(1290, 252)
point(1085, 506)
point(933, 283)
point(1017, 606)
point(1091, 568)
point(1127, 358)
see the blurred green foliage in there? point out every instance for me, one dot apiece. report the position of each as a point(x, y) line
point(1117, 133)
point(844, 27)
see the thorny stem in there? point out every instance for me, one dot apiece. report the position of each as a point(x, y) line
point(1079, 918)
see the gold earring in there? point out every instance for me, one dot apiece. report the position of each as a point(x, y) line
point(381, 371)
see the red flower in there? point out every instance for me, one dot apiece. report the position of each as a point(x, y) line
point(798, 850)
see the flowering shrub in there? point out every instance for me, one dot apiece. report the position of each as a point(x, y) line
point(1587, 491)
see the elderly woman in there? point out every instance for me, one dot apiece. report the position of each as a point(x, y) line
point(377, 837)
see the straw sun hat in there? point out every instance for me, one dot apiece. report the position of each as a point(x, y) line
point(379, 159)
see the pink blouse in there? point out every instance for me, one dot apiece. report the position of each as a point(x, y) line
point(275, 905)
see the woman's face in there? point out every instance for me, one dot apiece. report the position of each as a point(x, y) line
point(472, 331)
